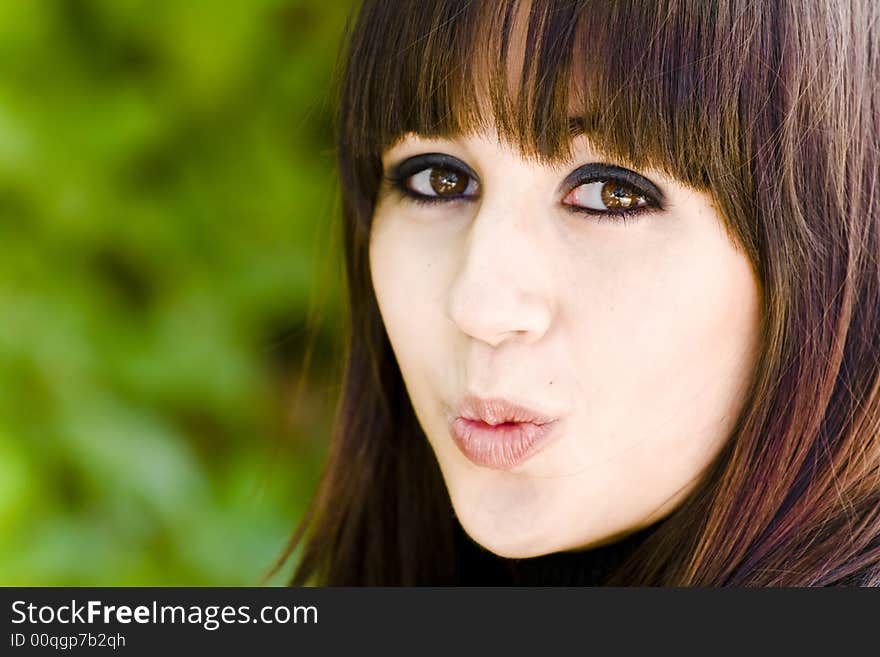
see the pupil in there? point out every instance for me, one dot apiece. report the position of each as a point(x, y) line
point(446, 181)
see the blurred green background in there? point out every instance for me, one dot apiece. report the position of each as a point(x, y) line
point(168, 242)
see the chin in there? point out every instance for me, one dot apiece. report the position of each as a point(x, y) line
point(510, 549)
point(511, 521)
point(508, 544)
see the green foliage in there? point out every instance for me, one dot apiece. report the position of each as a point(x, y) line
point(167, 203)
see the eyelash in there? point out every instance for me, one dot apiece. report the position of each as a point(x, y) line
point(616, 216)
point(399, 185)
point(400, 174)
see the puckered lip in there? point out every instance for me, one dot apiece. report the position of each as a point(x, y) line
point(498, 410)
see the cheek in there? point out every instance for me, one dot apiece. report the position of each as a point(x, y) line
point(666, 320)
point(408, 292)
point(665, 349)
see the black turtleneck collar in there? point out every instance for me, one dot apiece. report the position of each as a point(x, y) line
point(583, 568)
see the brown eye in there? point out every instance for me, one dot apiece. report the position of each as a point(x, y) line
point(448, 182)
point(607, 196)
point(442, 182)
point(616, 196)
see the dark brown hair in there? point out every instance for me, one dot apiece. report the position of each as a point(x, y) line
point(773, 108)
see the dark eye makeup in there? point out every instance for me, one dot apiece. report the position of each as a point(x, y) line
point(606, 191)
point(621, 192)
point(433, 178)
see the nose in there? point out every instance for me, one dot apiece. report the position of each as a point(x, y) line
point(501, 290)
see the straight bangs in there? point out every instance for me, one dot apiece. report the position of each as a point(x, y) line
point(650, 85)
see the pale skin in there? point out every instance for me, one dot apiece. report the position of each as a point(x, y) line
point(641, 336)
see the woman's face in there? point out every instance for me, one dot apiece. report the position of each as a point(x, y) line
point(610, 302)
